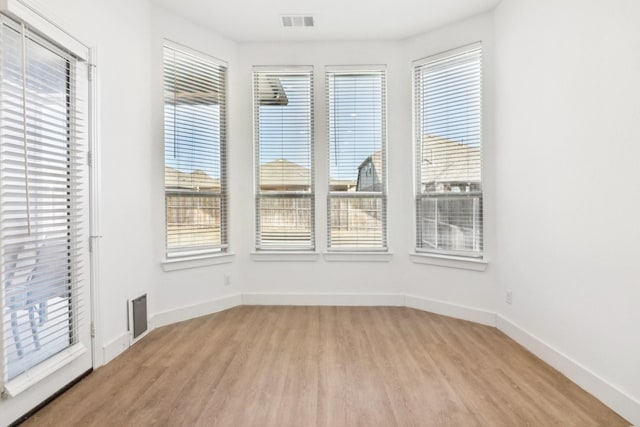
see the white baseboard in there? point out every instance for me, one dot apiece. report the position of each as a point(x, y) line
point(114, 347)
point(350, 299)
point(610, 395)
point(189, 312)
point(472, 314)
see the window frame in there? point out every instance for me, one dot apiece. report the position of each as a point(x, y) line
point(302, 70)
point(382, 195)
point(420, 195)
point(203, 251)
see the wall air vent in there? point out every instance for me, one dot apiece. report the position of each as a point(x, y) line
point(137, 313)
point(297, 21)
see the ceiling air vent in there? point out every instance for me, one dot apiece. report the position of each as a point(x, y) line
point(297, 21)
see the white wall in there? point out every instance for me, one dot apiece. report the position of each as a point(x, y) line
point(568, 132)
point(319, 276)
point(191, 287)
point(560, 160)
point(400, 276)
point(460, 287)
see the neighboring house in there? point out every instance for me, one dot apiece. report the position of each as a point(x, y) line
point(194, 181)
point(449, 165)
point(284, 175)
point(369, 173)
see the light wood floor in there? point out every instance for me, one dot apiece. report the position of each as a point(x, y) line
point(326, 366)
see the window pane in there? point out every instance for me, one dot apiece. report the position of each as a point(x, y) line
point(450, 223)
point(448, 94)
point(283, 111)
point(284, 222)
point(195, 152)
point(193, 220)
point(356, 116)
point(356, 222)
point(355, 131)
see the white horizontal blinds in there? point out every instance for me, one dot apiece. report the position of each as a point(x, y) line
point(195, 153)
point(41, 196)
point(283, 112)
point(448, 96)
point(357, 157)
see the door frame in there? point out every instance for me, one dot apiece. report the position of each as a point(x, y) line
point(27, 391)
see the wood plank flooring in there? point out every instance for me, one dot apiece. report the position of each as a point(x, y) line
point(326, 366)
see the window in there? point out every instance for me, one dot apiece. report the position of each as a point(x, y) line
point(448, 107)
point(283, 128)
point(195, 166)
point(357, 159)
point(43, 194)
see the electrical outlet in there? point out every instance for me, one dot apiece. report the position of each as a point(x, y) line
point(508, 297)
point(227, 280)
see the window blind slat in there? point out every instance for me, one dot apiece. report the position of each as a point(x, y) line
point(448, 116)
point(283, 127)
point(41, 194)
point(195, 152)
point(356, 113)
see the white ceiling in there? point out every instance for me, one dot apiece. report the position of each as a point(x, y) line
point(259, 20)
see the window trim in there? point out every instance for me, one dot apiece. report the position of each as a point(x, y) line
point(441, 257)
point(25, 12)
point(383, 195)
point(197, 261)
point(359, 256)
point(39, 372)
point(186, 254)
point(463, 263)
point(284, 255)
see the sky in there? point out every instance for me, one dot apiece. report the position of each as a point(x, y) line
point(356, 122)
point(355, 117)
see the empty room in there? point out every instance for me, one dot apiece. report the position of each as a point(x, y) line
point(320, 213)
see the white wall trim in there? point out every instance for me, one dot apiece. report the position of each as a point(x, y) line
point(284, 256)
point(114, 347)
point(372, 256)
point(449, 261)
point(610, 395)
point(444, 308)
point(197, 261)
point(26, 11)
point(346, 299)
point(192, 311)
point(95, 191)
point(41, 371)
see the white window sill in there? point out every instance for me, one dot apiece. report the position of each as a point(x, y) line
point(281, 256)
point(184, 263)
point(36, 374)
point(357, 256)
point(449, 261)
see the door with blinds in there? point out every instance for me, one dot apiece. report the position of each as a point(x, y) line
point(44, 181)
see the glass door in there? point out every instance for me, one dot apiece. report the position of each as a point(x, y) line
point(44, 213)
